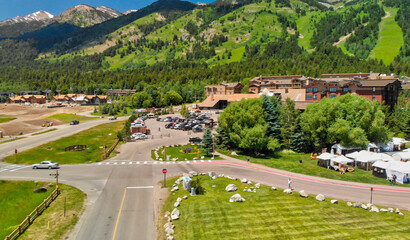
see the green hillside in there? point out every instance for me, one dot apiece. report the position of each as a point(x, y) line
point(390, 38)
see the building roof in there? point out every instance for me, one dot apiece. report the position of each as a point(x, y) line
point(231, 84)
point(333, 75)
point(377, 83)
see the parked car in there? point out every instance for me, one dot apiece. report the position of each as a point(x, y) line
point(158, 119)
point(195, 140)
point(197, 128)
point(138, 136)
point(112, 118)
point(169, 125)
point(74, 122)
point(45, 165)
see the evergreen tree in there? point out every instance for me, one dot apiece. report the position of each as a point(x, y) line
point(288, 116)
point(207, 142)
point(272, 109)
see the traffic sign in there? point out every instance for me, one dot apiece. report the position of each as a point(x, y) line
point(164, 171)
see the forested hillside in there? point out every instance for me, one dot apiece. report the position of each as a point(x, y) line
point(173, 45)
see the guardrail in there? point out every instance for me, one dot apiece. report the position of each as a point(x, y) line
point(33, 215)
point(108, 152)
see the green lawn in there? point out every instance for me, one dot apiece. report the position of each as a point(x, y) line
point(390, 39)
point(94, 138)
point(68, 117)
point(6, 119)
point(290, 162)
point(12, 140)
point(49, 130)
point(269, 214)
point(17, 200)
point(178, 152)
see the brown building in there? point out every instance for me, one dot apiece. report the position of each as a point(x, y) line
point(258, 84)
point(224, 88)
point(222, 101)
point(335, 77)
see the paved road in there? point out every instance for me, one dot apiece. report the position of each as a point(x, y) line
point(122, 192)
point(62, 131)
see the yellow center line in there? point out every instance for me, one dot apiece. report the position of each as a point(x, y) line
point(119, 214)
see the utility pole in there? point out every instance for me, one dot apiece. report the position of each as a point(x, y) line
point(371, 195)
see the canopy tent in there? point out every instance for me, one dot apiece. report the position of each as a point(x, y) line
point(401, 170)
point(381, 168)
point(326, 156)
point(406, 150)
point(395, 144)
point(352, 155)
point(341, 159)
point(339, 149)
point(364, 159)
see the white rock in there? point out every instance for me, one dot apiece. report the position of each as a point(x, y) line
point(274, 188)
point(254, 190)
point(334, 201)
point(170, 238)
point(383, 210)
point(369, 205)
point(176, 204)
point(234, 154)
point(185, 197)
point(303, 194)
point(237, 198)
point(169, 231)
point(249, 182)
point(244, 180)
point(349, 204)
point(211, 174)
point(374, 209)
point(320, 197)
point(288, 191)
point(257, 185)
point(175, 214)
point(390, 209)
point(401, 214)
point(397, 210)
point(357, 204)
point(213, 178)
point(231, 188)
point(364, 207)
point(203, 157)
point(169, 225)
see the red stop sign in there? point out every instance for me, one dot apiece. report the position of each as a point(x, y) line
point(164, 171)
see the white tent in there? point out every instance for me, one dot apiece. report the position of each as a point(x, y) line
point(352, 155)
point(341, 159)
point(401, 170)
point(383, 157)
point(326, 156)
point(406, 150)
point(402, 156)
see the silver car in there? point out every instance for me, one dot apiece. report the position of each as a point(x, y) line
point(46, 164)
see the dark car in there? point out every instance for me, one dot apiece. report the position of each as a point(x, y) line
point(74, 122)
point(195, 140)
point(169, 125)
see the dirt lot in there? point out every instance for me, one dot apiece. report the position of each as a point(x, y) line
point(30, 118)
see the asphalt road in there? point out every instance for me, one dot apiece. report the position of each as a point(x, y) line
point(122, 192)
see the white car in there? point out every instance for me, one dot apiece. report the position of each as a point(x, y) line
point(138, 136)
point(112, 118)
point(45, 164)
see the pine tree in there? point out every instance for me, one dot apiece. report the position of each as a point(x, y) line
point(272, 109)
point(207, 142)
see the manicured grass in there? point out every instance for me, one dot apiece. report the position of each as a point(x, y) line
point(68, 117)
point(290, 162)
point(269, 214)
point(94, 138)
point(6, 119)
point(60, 225)
point(177, 152)
point(390, 39)
point(49, 130)
point(17, 200)
point(12, 140)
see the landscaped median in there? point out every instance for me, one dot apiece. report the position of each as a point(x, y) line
point(68, 117)
point(268, 213)
point(60, 150)
point(290, 161)
point(18, 200)
point(181, 153)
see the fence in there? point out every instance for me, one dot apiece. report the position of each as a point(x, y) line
point(33, 215)
point(108, 152)
point(76, 148)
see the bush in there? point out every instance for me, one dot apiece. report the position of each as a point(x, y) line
point(197, 185)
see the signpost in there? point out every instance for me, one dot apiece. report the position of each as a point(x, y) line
point(15, 155)
point(371, 195)
point(56, 177)
point(164, 171)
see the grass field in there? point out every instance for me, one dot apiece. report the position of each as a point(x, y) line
point(94, 138)
point(6, 119)
point(12, 140)
point(68, 117)
point(177, 152)
point(290, 162)
point(390, 39)
point(269, 214)
point(17, 200)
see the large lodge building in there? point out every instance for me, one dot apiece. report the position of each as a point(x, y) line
point(304, 90)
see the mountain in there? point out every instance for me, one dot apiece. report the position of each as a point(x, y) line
point(85, 16)
point(37, 16)
point(20, 25)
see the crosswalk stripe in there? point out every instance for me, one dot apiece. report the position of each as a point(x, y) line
point(99, 163)
point(209, 160)
point(123, 163)
point(202, 161)
point(138, 162)
point(130, 162)
point(19, 168)
point(145, 162)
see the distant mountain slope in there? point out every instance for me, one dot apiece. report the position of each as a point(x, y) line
point(84, 15)
point(20, 25)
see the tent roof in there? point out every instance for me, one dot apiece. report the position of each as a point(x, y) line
point(400, 167)
point(341, 159)
point(352, 155)
point(401, 155)
point(326, 156)
point(398, 140)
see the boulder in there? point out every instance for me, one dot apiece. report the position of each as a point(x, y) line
point(254, 190)
point(179, 199)
point(211, 174)
point(237, 198)
point(303, 194)
point(288, 191)
point(357, 204)
point(257, 185)
point(213, 178)
point(185, 197)
point(383, 210)
point(349, 204)
point(390, 209)
point(369, 205)
point(320, 197)
point(334, 201)
point(244, 180)
point(170, 238)
point(176, 204)
point(221, 175)
point(234, 154)
point(249, 182)
point(231, 188)
point(374, 209)
point(169, 225)
point(274, 188)
point(213, 185)
point(364, 207)
point(397, 210)
point(175, 214)
point(169, 231)
point(401, 214)
point(167, 213)
point(193, 173)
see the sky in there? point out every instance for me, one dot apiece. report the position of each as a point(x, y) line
point(13, 8)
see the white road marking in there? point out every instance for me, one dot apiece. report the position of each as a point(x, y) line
point(123, 163)
point(19, 168)
point(130, 162)
point(167, 162)
point(115, 163)
point(162, 162)
point(209, 160)
point(145, 162)
point(173, 162)
point(140, 187)
point(107, 163)
point(138, 162)
point(202, 161)
point(99, 163)
point(155, 163)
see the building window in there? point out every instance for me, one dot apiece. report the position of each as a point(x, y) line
point(308, 89)
point(309, 97)
point(332, 89)
point(314, 89)
point(314, 96)
point(374, 89)
point(345, 89)
point(374, 97)
point(332, 96)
